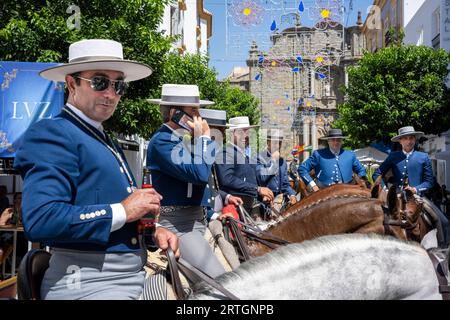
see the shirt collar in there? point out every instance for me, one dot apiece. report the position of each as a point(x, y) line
point(96, 124)
point(175, 132)
point(239, 149)
point(408, 154)
point(336, 154)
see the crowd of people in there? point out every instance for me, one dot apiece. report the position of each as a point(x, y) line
point(81, 199)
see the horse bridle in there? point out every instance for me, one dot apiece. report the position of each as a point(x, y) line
point(193, 274)
point(403, 223)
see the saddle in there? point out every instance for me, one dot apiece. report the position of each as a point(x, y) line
point(441, 263)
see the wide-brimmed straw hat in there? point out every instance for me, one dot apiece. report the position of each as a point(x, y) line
point(180, 95)
point(97, 54)
point(215, 118)
point(334, 134)
point(240, 123)
point(407, 131)
point(275, 134)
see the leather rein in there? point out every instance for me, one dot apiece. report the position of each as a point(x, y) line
point(192, 274)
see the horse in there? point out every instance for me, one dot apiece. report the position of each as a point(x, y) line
point(428, 220)
point(340, 213)
point(342, 267)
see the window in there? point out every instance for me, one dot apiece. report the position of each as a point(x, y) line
point(436, 22)
point(420, 39)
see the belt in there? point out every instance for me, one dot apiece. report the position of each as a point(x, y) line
point(171, 209)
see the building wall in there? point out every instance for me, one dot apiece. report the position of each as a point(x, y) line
point(279, 90)
point(429, 25)
point(189, 20)
point(385, 14)
point(424, 24)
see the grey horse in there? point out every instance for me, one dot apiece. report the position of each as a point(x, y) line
point(349, 266)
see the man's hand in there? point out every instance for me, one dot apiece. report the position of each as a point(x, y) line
point(266, 192)
point(412, 189)
point(165, 239)
point(224, 215)
point(6, 216)
point(235, 200)
point(200, 127)
point(292, 200)
point(275, 156)
point(140, 203)
point(315, 188)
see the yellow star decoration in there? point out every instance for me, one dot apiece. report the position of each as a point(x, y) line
point(325, 13)
point(274, 63)
point(247, 11)
point(319, 59)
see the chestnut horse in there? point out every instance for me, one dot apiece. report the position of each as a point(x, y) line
point(336, 210)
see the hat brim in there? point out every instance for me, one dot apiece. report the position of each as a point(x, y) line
point(235, 127)
point(132, 70)
point(338, 137)
point(417, 134)
point(181, 104)
point(220, 125)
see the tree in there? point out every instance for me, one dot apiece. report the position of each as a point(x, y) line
point(395, 87)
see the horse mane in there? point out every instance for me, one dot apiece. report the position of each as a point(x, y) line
point(290, 258)
point(305, 210)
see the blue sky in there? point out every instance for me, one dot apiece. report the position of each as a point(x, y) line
point(223, 56)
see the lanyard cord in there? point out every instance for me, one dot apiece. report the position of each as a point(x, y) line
point(114, 151)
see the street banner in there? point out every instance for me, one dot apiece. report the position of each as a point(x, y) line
point(25, 98)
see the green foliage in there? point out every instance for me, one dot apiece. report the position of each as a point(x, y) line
point(394, 87)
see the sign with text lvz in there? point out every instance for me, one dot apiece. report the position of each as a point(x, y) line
point(25, 98)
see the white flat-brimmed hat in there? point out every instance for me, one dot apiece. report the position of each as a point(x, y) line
point(216, 118)
point(334, 134)
point(407, 131)
point(275, 134)
point(97, 54)
point(180, 95)
point(240, 123)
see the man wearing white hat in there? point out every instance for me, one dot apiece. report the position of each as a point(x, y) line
point(411, 169)
point(237, 173)
point(180, 158)
point(331, 165)
point(272, 169)
point(217, 121)
point(79, 195)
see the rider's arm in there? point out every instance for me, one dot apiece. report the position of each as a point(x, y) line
point(427, 177)
point(382, 169)
point(306, 167)
point(358, 167)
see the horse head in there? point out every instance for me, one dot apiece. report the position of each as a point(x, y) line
point(404, 210)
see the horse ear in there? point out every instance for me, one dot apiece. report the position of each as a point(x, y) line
point(392, 199)
point(375, 191)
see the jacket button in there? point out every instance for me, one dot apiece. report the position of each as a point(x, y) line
point(82, 216)
point(97, 213)
point(133, 241)
point(129, 190)
point(103, 212)
point(92, 214)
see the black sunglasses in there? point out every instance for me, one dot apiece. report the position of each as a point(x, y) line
point(99, 83)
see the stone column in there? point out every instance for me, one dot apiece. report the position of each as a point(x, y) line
point(306, 136)
point(314, 141)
